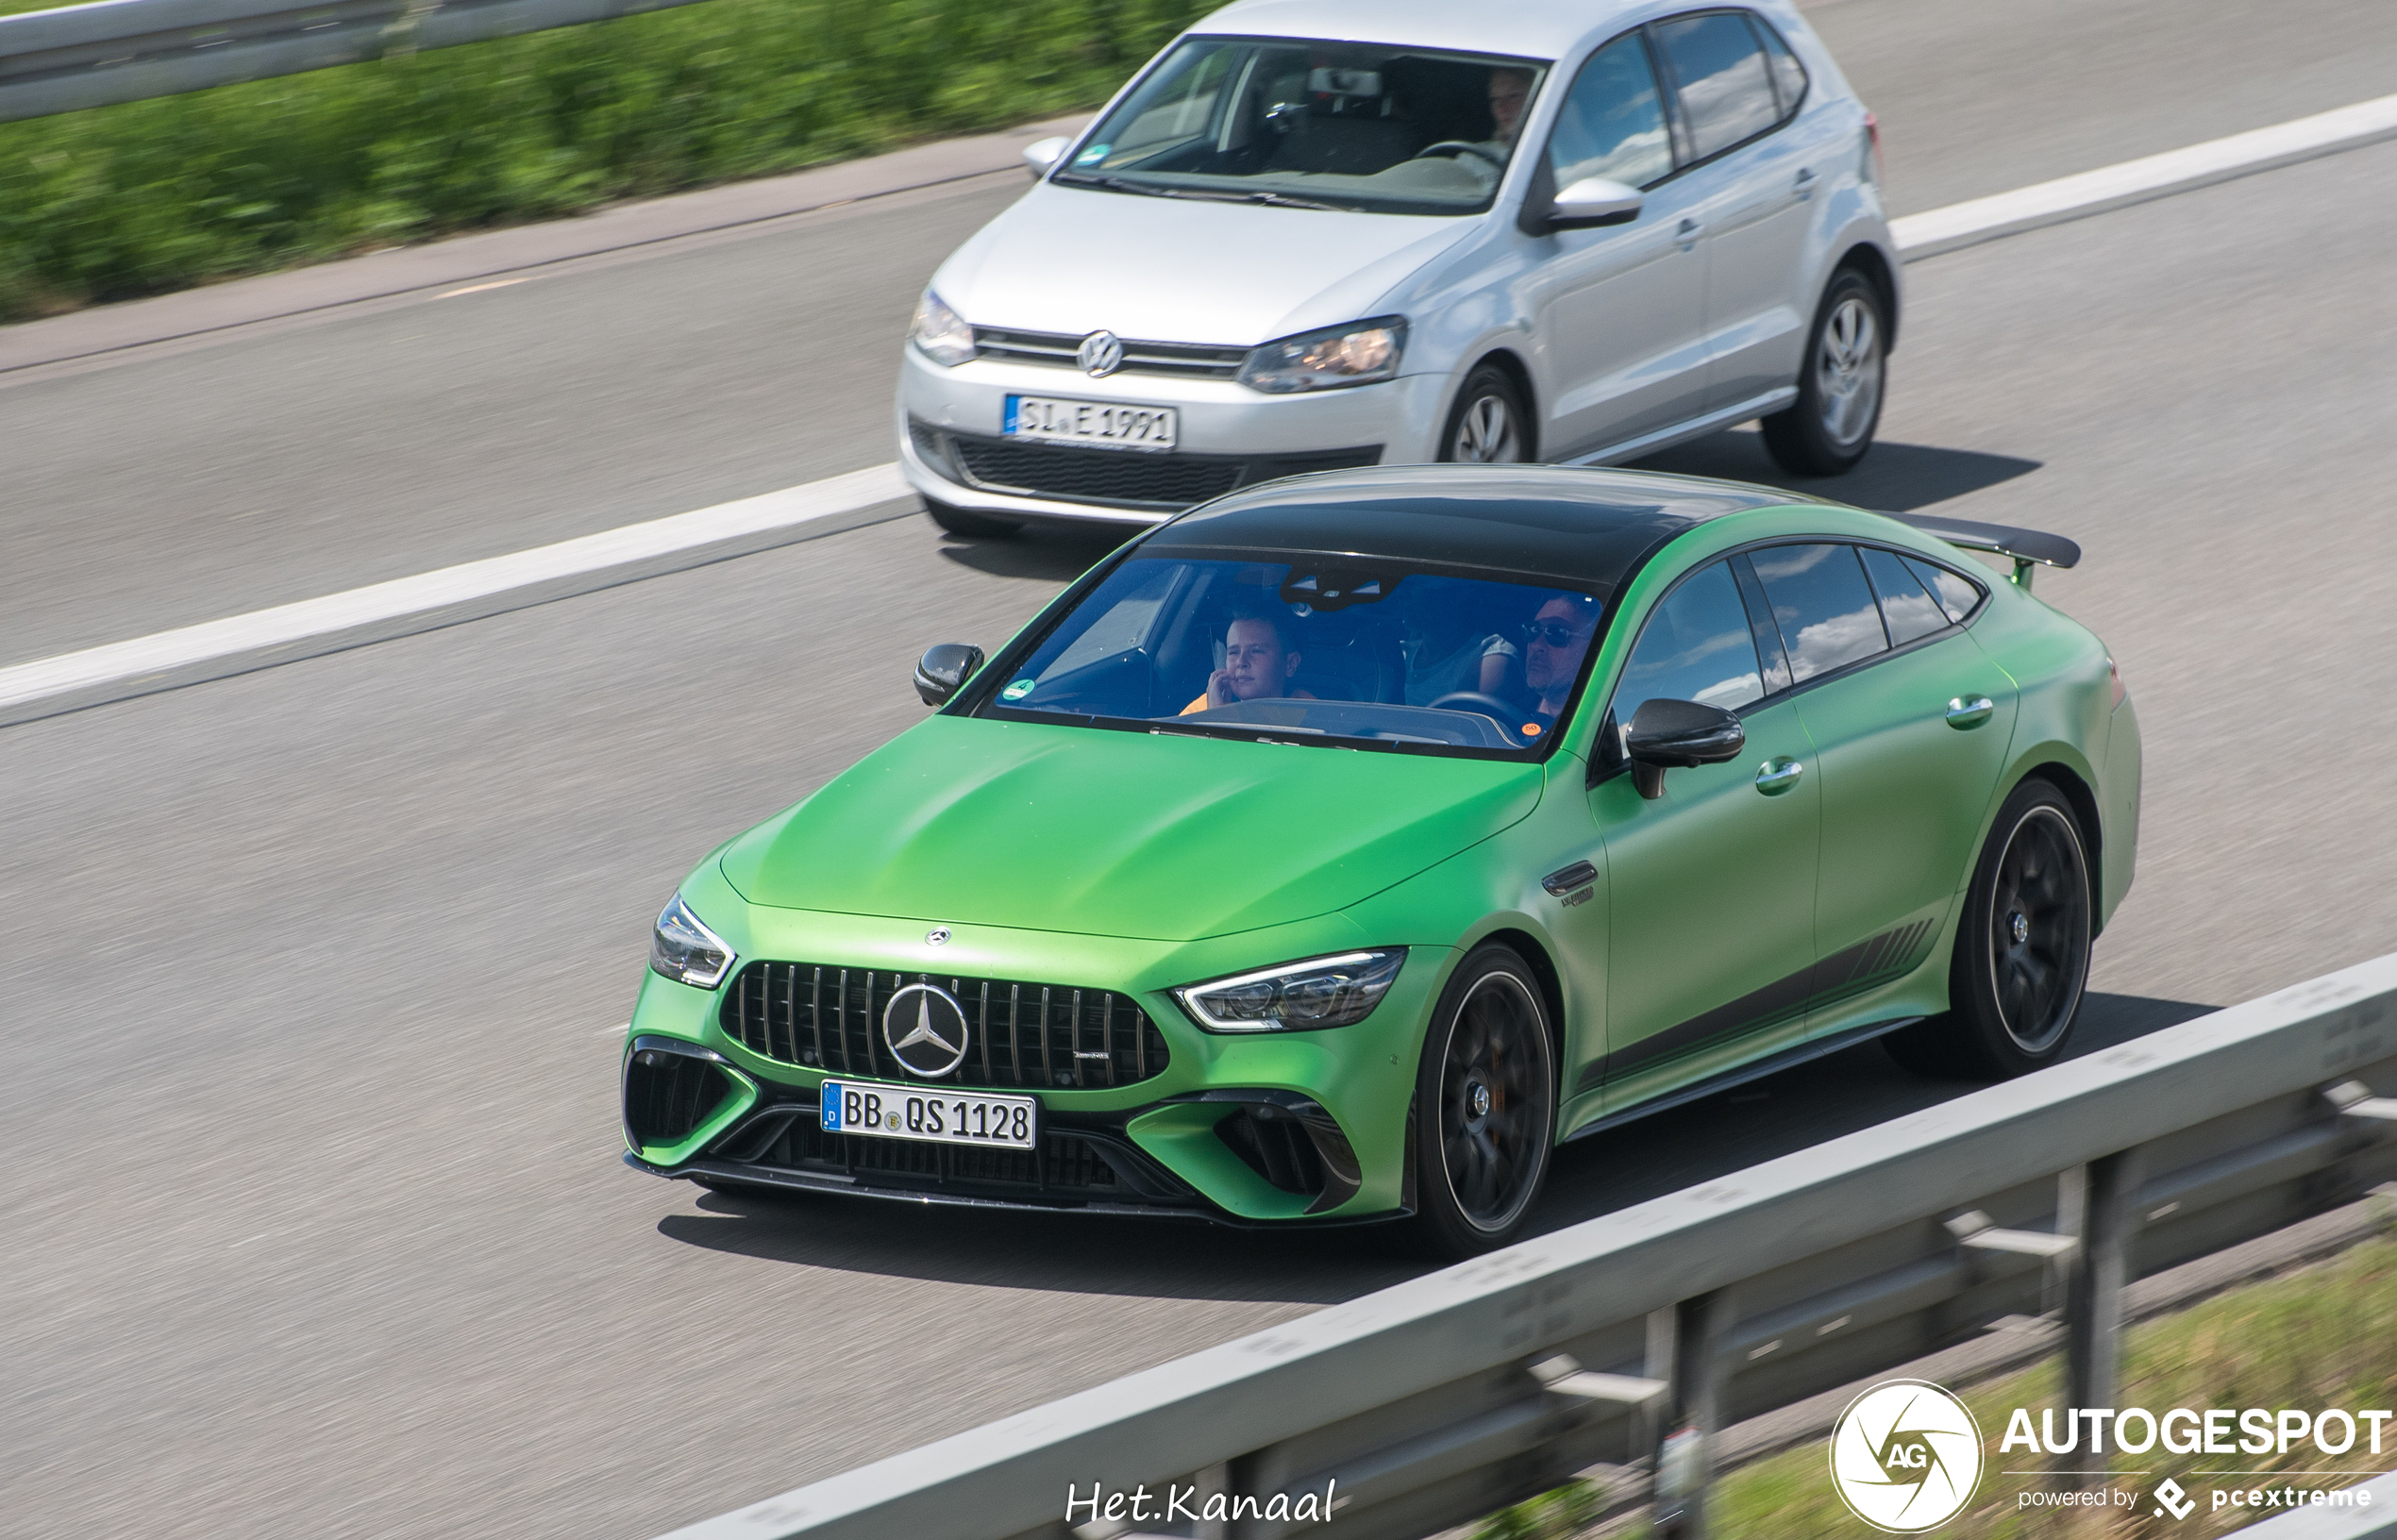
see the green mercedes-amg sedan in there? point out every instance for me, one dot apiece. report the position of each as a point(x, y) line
point(1334, 851)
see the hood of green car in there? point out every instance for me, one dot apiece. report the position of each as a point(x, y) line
point(1159, 837)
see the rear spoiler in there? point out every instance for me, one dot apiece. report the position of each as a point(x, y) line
point(2023, 548)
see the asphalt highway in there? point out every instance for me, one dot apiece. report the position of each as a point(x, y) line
point(314, 976)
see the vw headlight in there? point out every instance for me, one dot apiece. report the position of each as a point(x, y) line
point(687, 951)
point(941, 332)
point(1357, 354)
point(1296, 996)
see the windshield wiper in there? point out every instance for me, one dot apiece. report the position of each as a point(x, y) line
point(1151, 190)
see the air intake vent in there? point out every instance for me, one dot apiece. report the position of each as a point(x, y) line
point(1125, 477)
point(667, 1095)
point(1018, 1034)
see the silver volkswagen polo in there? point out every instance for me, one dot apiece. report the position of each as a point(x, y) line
point(1316, 234)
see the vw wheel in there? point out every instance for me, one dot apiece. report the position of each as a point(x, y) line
point(1490, 424)
point(1828, 428)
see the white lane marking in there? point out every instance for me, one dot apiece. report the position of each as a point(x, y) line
point(405, 597)
point(479, 288)
point(617, 1031)
point(2152, 176)
point(1918, 235)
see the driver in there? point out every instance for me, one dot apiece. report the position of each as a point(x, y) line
point(1259, 658)
point(1553, 643)
point(1510, 89)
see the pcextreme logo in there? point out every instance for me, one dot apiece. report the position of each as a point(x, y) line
point(1906, 1456)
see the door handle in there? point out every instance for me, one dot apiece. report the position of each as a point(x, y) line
point(1805, 183)
point(1967, 711)
point(1778, 774)
point(1685, 235)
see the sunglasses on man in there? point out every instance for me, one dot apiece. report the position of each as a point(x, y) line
point(1556, 633)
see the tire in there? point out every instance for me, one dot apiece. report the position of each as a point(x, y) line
point(2023, 948)
point(1490, 425)
point(971, 526)
point(1841, 383)
point(1486, 1106)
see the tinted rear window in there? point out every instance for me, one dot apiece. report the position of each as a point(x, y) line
point(1823, 604)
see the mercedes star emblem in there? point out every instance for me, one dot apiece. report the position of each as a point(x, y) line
point(925, 1029)
point(936, 936)
point(1100, 355)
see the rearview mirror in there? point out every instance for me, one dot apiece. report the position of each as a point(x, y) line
point(944, 669)
point(1041, 154)
point(1678, 735)
point(1591, 202)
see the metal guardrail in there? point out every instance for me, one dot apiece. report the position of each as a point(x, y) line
point(1443, 1399)
point(126, 50)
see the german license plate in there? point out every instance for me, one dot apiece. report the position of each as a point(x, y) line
point(884, 1111)
point(1103, 425)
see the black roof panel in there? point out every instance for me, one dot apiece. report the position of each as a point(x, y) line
point(1590, 525)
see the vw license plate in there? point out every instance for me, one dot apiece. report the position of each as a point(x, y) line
point(945, 1117)
point(1100, 424)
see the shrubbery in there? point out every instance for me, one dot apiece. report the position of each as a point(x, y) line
point(154, 195)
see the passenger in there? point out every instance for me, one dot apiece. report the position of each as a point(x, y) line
point(1553, 646)
point(1259, 658)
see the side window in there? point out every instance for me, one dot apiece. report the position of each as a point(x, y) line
point(1955, 593)
point(1720, 77)
point(1613, 121)
point(1695, 647)
point(1789, 76)
point(1906, 607)
point(1822, 605)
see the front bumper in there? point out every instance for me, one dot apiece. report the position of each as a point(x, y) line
point(1270, 1128)
point(950, 448)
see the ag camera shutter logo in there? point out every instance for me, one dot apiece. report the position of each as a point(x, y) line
point(1906, 1456)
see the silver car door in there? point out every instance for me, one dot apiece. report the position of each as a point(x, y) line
point(1621, 307)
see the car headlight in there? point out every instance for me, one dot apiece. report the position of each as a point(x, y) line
point(1296, 996)
point(941, 332)
point(687, 951)
point(1357, 354)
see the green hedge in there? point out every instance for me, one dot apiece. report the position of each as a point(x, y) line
point(149, 196)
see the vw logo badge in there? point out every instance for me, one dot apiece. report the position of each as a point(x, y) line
point(925, 1030)
point(1100, 355)
point(936, 936)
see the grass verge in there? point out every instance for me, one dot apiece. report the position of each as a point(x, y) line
point(122, 201)
point(2320, 1337)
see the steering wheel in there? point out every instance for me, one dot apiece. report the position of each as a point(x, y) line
point(1474, 700)
point(1454, 148)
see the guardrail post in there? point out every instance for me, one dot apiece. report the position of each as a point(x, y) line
point(1693, 1410)
point(2098, 1268)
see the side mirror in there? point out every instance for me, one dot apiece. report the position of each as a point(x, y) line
point(1678, 735)
point(1041, 154)
point(1591, 202)
point(944, 669)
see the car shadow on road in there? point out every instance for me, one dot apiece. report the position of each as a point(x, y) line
point(1057, 555)
point(1897, 477)
point(1184, 1259)
point(1798, 1108)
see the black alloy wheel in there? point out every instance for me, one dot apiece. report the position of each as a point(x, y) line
point(1490, 425)
point(1486, 1107)
point(2023, 948)
point(1841, 379)
point(971, 526)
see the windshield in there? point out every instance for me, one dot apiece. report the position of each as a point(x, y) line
point(1322, 125)
point(1346, 650)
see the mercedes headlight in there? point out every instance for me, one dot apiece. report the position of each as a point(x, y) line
point(941, 332)
point(1357, 354)
point(687, 951)
point(1296, 996)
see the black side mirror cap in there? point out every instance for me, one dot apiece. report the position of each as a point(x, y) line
point(1679, 735)
point(944, 670)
